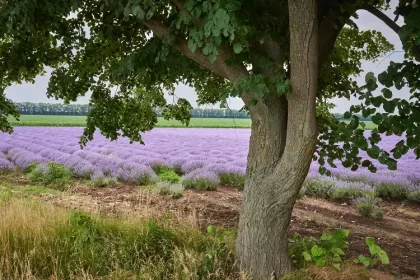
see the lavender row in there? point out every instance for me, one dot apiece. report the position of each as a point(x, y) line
point(194, 152)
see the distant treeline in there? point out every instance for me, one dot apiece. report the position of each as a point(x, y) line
point(28, 108)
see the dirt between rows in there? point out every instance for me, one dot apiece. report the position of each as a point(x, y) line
point(398, 234)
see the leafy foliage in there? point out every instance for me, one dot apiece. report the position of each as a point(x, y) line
point(51, 173)
point(328, 250)
point(166, 173)
point(376, 252)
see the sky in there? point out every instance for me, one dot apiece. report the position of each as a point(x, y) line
point(37, 92)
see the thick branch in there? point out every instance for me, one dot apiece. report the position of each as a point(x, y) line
point(328, 34)
point(272, 49)
point(391, 24)
point(219, 67)
point(382, 17)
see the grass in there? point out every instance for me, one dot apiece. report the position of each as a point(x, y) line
point(40, 241)
point(47, 120)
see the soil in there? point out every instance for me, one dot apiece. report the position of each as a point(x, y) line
point(398, 234)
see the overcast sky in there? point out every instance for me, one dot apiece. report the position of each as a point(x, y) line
point(36, 92)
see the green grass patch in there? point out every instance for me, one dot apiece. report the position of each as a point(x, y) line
point(37, 190)
point(47, 120)
point(5, 194)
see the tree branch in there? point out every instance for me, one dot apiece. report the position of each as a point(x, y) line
point(219, 67)
point(391, 24)
point(328, 34)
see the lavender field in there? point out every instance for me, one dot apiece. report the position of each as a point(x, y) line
point(206, 154)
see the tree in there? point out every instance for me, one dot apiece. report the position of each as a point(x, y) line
point(285, 59)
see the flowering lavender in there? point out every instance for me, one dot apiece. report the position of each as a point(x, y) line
point(201, 179)
point(5, 165)
point(192, 165)
point(137, 174)
point(222, 152)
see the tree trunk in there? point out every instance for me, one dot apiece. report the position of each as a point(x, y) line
point(282, 143)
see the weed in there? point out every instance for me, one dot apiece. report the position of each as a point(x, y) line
point(102, 181)
point(165, 188)
point(376, 252)
point(347, 194)
point(200, 183)
point(378, 214)
point(365, 209)
point(328, 250)
point(51, 173)
point(318, 188)
point(391, 191)
point(414, 196)
point(232, 179)
point(168, 174)
point(368, 206)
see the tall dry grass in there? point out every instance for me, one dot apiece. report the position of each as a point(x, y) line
point(40, 241)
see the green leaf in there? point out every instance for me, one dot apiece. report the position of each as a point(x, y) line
point(306, 256)
point(221, 19)
point(347, 115)
point(383, 257)
point(192, 45)
point(363, 260)
point(373, 152)
point(389, 106)
point(138, 12)
point(370, 241)
point(212, 58)
point(237, 48)
point(370, 77)
point(320, 262)
point(387, 93)
point(377, 118)
point(317, 251)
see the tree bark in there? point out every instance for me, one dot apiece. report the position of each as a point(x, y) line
point(282, 143)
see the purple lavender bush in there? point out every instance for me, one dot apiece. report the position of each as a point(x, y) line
point(137, 174)
point(5, 165)
point(201, 179)
point(220, 151)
